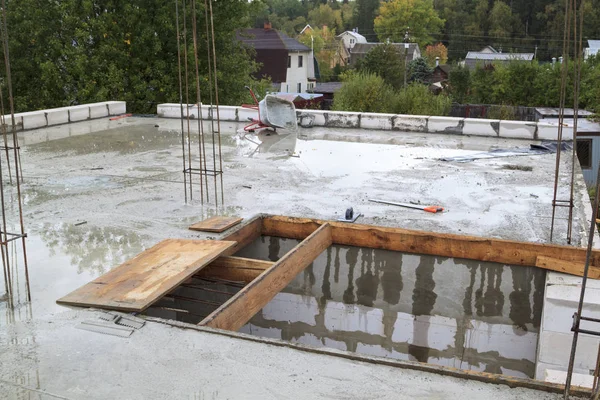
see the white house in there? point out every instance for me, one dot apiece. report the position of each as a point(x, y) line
point(593, 49)
point(351, 38)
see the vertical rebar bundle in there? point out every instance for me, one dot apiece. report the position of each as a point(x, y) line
point(10, 193)
point(573, 34)
point(208, 155)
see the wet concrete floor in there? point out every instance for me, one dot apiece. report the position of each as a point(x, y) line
point(97, 193)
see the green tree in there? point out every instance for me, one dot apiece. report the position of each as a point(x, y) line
point(417, 16)
point(365, 12)
point(459, 83)
point(386, 61)
point(417, 99)
point(324, 15)
point(419, 70)
point(364, 92)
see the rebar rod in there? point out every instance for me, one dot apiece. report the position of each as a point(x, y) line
point(216, 86)
point(181, 99)
point(187, 97)
point(201, 147)
point(561, 114)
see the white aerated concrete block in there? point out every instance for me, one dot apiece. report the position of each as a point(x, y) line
point(481, 127)
point(451, 125)
point(116, 107)
point(18, 122)
point(376, 121)
point(554, 349)
point(410, 123)
point(318, 115)
point(243, 114)
point(547, 131)
point(560, 377)
point(518, 129)
point(342, 119)
point(226, 113)
point(57, 116)
point(33, 119)
point(98, 110)
point(168, 110)
point(79, 113)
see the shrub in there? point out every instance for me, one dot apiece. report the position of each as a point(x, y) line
point(417, 99)
point(364, 92)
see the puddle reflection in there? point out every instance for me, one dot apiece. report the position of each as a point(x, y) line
point(454, 312)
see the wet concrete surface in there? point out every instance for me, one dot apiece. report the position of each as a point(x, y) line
point(97, 193)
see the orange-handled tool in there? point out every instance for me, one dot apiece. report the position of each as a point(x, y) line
point(431, 209)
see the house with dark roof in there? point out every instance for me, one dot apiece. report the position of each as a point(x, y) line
point(360, 50)
point(441, 73)
point(475, 58)
point(288, 63)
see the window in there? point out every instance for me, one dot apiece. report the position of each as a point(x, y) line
point(289, 61)
point(299, 87)
point(584, 153)
point(351, 41)
point(299, 61)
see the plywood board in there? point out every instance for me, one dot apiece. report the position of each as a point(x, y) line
point(235, 269)
point(420, 242)
point(216, 224)
point(239, 309)
point(141, 281)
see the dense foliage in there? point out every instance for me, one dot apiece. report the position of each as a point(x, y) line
point(368, 92)
point(80, 51)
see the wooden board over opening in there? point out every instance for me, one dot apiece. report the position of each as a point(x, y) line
point(141, 281)
point(241, 308)
point(216, 224)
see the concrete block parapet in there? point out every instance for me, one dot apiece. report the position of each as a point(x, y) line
point(57, 116)
point(98, 110)
point(342, 119)
point(116, 107)
point(410, 123)
point(451, 125)
point(169, 110)
point(34, 119)
point(377, 121)
point(481, 127)
point(518, 129)
point(78, 113)
point(549, 131)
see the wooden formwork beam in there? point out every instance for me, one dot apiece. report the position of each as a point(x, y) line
point(238, 310)
point(438, 244)
point(244, 235)
point(235, 269)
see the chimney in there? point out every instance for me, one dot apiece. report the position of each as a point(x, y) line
point(267, 25)
point(437, 61)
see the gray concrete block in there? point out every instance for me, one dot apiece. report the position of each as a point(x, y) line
point(33, 119)
point(79, 113)
point(57, 116)
point(481, 127)
point(518, 129)
point(376, 121)
point(98, 110)
point(116, 107)
point(410, 123)
point(342, 119)
point(451, 125)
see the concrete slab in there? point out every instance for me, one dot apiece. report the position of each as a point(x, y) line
point(136, 167)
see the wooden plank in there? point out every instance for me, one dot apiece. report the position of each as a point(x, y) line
point(235, 269)
point(141, 281)
point(420, 242)
point(241, 308)
point(244, 235)
point(216, 224)
point(567, 267)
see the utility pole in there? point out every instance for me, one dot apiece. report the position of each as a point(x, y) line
point(406, 46)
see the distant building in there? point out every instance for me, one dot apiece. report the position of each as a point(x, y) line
point(328, 90)
point(441, 73)
point(360, 50)
point(475, 58)
point(288, 63)
point(346, 41)
point(489, 50)
point(593, 49)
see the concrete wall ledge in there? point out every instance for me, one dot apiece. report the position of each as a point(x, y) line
point(397, 122)
point(64, 115)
